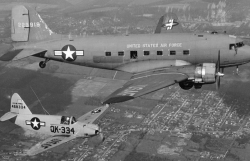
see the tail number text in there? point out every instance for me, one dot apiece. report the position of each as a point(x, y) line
point(61, 129)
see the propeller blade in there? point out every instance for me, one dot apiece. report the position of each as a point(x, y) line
point(218, 73)
point(101, 136)
point(218, 63)
point(217, 83)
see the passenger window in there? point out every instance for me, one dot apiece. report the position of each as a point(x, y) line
point(120, 53)
point(108, 53)
point(239, 44)
point(146, 53)
point(159, 53)
point(133, 54)
point(172, 52)
point(231, 46)
point(185, 52)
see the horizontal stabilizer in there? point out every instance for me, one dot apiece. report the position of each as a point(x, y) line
point(8, 116)
point(20, 54)
point(10, 55)
point(28, 52)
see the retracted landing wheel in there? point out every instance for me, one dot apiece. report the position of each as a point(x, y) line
point(42, 64)
point(197, 85)
point(186, 85)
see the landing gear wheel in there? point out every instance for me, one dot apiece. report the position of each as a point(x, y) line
point(42, 64)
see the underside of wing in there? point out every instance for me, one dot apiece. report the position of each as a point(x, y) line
point(144, 84)
point(93, 115)
point(49, 143)
point(18, 54)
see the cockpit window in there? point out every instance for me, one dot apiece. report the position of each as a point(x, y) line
point(239, 44)
point(65, 120)
point(73, 120)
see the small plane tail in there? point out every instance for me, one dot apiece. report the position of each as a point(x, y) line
point(168, 21)
point(27, 25)
point(18, 106)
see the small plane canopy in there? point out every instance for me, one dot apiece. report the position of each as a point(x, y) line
point(66, 120)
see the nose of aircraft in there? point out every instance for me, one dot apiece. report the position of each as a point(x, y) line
point(97, 131)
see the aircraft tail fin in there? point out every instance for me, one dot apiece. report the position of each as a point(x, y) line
point(27, 25)
point(18, 106)
point(159, 25)
point(169, 21)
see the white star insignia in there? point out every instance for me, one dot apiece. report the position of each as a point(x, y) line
point(35, 123)
point(68, 53)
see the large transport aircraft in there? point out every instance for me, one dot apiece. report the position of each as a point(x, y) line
point(61, 128)
point(152, 61)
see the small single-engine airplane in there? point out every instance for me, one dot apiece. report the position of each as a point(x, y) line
point(152, 61)
point(61, 128)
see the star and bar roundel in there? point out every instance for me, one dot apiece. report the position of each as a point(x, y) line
point(35, 123)
point(69, 53)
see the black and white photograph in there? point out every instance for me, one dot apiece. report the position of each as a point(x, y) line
point(124, 80)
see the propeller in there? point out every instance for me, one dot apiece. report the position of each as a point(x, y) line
point(101, 136)
point(218, 73)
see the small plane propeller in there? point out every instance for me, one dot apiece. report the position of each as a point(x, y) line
point(101, 136)
point(218, 73)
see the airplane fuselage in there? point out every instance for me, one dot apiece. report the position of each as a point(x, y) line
point(158, 50)
point(52, 125)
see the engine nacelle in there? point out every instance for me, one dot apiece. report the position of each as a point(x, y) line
point(205, 73)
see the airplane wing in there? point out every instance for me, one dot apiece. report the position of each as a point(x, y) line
point(143, 84)
point(91, 116)
point(49, 143)
point(21, 53)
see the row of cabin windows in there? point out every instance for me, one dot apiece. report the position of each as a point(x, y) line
point(146, 53)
